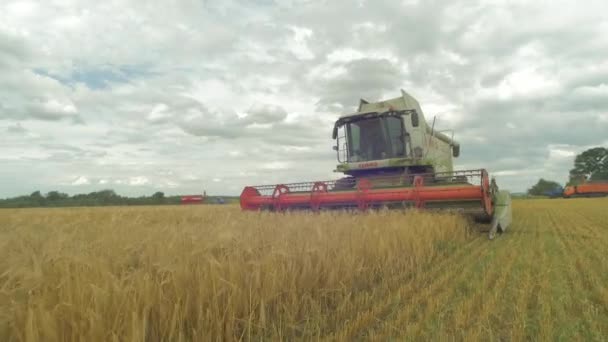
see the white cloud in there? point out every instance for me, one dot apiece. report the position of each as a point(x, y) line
point(172, 96)
point(52, 108)
point(81, 180)
point(138, 180)
point(159, 113)
point(171, 184)
point(21, 8)
point(299, 43)
point(558, 153)
point(276, 165)
point(526, 82)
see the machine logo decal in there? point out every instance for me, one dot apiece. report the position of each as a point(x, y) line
point(366, 165)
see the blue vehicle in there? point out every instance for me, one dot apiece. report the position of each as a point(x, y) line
point(555, 192)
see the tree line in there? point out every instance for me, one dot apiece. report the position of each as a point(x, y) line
point(97, 198)
point(589, 166)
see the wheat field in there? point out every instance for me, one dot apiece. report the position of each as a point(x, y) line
point(215, 273)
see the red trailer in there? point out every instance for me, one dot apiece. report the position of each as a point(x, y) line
point(589, 189)
point(192, 199)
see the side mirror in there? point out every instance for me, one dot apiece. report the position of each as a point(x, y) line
point(415, 121)
point(335, 148)
point(455, 150)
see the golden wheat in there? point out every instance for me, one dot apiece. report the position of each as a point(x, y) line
point(206, 273)
point(215, 273)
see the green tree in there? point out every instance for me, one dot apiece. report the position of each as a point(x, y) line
point(590, 165)
point(35, 199)
point(158, 197)
point(56, 196)
point(542, 187)
point(108, 197)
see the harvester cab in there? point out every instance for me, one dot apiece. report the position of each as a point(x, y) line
point(389, 137)
point(392, 158)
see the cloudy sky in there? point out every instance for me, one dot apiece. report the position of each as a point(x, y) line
point(181, 96)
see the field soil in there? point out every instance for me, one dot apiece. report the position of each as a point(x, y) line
point(215, 273)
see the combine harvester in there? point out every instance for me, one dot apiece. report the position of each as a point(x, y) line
point(392, 159)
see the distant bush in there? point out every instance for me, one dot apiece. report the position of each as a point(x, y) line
point(543, 187)
point(96, 198)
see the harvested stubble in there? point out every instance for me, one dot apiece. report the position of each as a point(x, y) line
point(206, 273)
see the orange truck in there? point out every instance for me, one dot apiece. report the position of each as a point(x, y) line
point(586, 190)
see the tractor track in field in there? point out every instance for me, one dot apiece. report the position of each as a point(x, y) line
point(588, 283)
point(562, 285)
point(457, 303)
point(420, 300)
point(426, 283)
point(587, 256)
point(370, 314)
point(575, 279)
point(524, 285)
point(417, 306)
